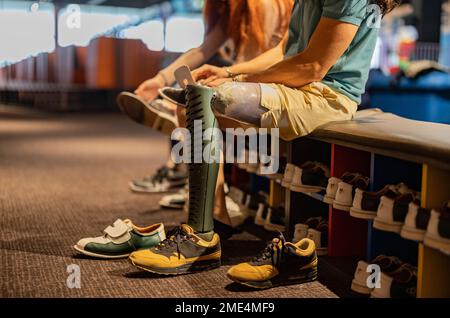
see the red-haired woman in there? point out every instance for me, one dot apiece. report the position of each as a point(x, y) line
point(251, 26)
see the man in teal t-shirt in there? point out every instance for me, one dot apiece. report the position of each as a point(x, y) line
point(349, 74)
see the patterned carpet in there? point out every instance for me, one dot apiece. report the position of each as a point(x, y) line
point(64, 177)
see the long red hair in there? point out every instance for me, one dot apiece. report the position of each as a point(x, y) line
point(242, 18)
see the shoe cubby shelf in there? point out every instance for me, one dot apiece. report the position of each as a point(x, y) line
point(352, 237)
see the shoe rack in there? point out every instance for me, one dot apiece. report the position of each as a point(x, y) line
point(352, 238)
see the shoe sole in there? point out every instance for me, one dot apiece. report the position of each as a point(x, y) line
point(436, 243)
point(328, 199)
point(173, 186)
point(305, 188)
point(412, 234)
point(363, 214)
point(170, 206)
point(181, 270)
point(382, 225)
point(142, 113)
point(340, 206)
point(359, 288)
point(305, 276)
point(95, 255)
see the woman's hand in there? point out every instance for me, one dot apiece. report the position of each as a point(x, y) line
point(208, 73)
point(148, 90)
point(218, 82)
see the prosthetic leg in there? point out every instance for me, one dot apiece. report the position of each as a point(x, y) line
point(203, 175)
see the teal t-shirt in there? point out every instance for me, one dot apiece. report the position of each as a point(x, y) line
point(349, 75)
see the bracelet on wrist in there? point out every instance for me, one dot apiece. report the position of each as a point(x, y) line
point(238, 78)
point(230, 73)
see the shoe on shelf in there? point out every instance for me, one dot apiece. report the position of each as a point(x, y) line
point(176, 200)
point(392, 211)
point(157, 114)
point(388, 265)
point(275, 219)
point(236, 214)
point(365, 204)
point(344, 196)
point(438, 230)
point(301, 229)
point(319, 234)
point(310, 178)
point(261, 214)
point(332, 186)
point(280, 263)
point(174, 95)
point(121, 239)
point(252, 202)
point(416, 222)
point(165, 179)
point(277, 175)
point(288, 175)
point(400, 284)
point(182, 252)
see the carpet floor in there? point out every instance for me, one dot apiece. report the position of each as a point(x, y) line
point(64, 177)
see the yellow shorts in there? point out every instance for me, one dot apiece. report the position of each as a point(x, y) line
point(297, 112)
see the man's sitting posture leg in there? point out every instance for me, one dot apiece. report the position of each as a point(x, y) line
point(193, 246)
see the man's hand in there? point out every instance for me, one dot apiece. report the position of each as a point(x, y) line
point(208, 73)
point(148, 90)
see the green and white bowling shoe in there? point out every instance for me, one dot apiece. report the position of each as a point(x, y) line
point(121, 239)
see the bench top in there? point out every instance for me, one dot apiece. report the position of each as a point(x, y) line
point(391, 135)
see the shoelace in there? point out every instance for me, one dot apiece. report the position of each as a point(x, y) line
point(174, 238)
point(272, 251)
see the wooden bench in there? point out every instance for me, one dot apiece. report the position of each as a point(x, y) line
point(389, 149)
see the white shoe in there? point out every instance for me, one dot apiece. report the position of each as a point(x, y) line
point(365, 204)
point(344, 195)
point(320, 238)
point(318, 175)
point(301, 232)
point(332, 187)
point(392, 212)
point(416, 222)
point(176, 200)
point(261, 214)
point(237, 216)
point(275, 220)
point(434, 236)
point(288, 175)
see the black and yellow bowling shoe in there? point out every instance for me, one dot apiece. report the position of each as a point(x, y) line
point(280, 263)
point(182, 252)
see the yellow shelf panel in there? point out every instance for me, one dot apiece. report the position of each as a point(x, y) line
point(277, 194)
point(433, 273)
point(435, 186)
point(433, 279)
